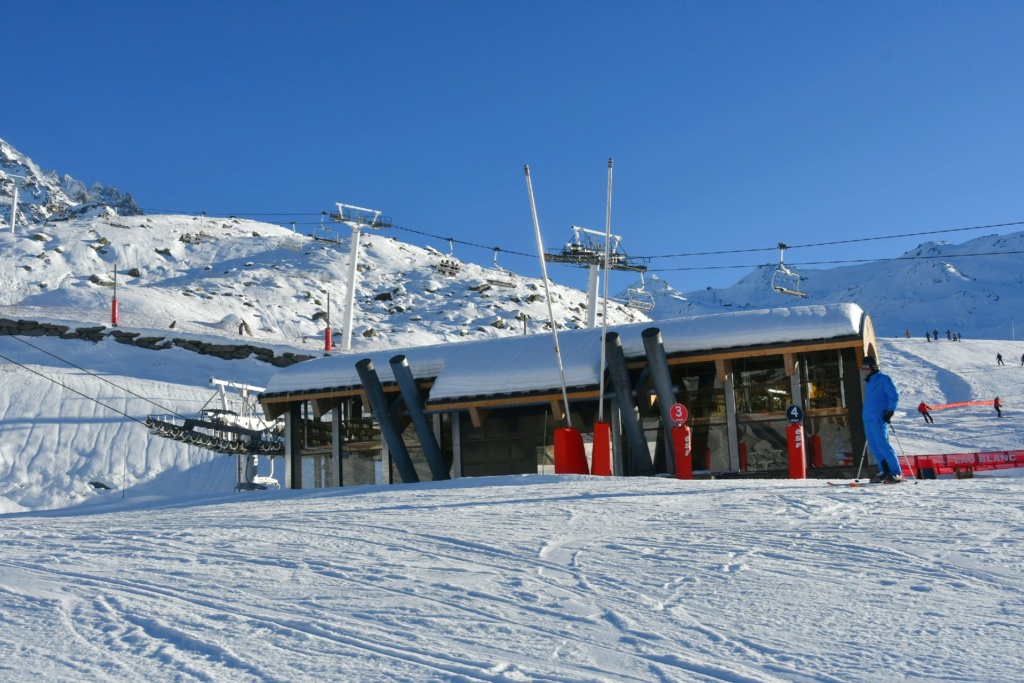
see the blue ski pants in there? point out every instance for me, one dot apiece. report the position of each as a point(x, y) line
point(877, 433)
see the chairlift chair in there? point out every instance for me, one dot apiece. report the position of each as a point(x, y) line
point(501, 277)
point(785, 281)
point(637, 298)
point(449, 266)
point(324, 234)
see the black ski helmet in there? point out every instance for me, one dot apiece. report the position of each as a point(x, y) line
point(869, 362)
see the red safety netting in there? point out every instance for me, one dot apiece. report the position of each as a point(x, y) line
point(961, 404)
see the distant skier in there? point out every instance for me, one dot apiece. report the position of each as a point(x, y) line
point(935, 335)
point(880, 401)
point(908, 334)
point(998, 405)
point(928, 336)
point(949, 336)
point(923, 409)
point(1022, 361)
point(999, 359)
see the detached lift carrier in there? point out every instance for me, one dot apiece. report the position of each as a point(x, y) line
point(241, 432)
point(587, 250)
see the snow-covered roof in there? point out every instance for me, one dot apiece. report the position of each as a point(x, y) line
point(523, 364)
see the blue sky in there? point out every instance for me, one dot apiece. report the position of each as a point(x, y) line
point(733, 125)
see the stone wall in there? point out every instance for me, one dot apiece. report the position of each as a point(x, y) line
point(31, 328)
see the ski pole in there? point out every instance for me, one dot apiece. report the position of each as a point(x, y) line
point(863, 455)
point(909, 468)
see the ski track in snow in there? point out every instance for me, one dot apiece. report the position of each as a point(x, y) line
point(573, 581)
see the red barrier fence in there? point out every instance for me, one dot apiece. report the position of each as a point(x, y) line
point(958, 463)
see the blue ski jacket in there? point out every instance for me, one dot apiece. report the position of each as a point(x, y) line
point(880, 395)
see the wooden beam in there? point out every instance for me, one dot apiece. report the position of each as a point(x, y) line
point(322, 406)
point(507, 401)
point(557, 411)
point(477, 416)
point(723, 368)
point(776, 350)
point(790, 361)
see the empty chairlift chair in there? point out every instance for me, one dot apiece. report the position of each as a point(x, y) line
point(639, 299)
point(785, 281)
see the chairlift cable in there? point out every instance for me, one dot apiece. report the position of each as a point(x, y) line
point(75, 391)
point(840, 262)
point(93, 374)
point(704, 253)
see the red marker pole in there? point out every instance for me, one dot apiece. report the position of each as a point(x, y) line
point(797, 451)
point(328, 335)
point(681, 441)
point(113, 304)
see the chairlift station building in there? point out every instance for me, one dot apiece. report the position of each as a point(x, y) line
point(490, 407)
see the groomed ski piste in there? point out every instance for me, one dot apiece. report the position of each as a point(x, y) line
point(529, 578)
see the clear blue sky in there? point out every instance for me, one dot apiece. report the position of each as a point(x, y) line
point(733, 124)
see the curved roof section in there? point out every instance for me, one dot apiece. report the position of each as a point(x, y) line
point(512, 365)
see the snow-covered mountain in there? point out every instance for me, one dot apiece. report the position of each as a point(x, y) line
point(44, 195)
point(972, 288)
point(71, 238)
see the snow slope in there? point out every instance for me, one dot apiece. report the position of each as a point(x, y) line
point(533, 578)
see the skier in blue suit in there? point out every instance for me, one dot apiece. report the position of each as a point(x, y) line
point(880, 401)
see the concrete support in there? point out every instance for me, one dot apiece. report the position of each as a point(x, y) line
point(337, 476)
point(732, 425)
point(456, 444)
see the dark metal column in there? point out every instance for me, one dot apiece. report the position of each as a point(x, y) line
point(657, 364)
point(392, 436)
point(293, 447)
point(640, 453)
point(337, 476)
point(414, 404)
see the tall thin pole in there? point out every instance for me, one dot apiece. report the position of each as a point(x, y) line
point(604, 303)
point(547, 294)
point(350, 299)
point(14, 208)
point(113, 303)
